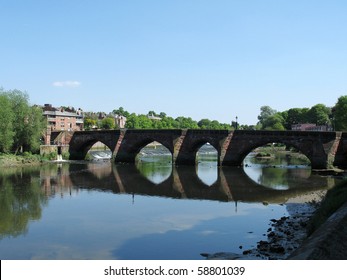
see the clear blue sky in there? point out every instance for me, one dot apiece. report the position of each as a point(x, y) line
point(214, 59)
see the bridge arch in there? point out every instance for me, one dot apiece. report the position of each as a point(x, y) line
point(192, 154)
point(259, 144)
point(315, 146)
point(85, 147)
point(188, 153)
point(81, 142)
point(129, 151)
point(156, 145)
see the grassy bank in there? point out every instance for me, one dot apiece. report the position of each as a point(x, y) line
point(280, 152)
point(333, 200)
point(18, 160)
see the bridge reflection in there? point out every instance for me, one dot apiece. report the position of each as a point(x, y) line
point(232, 183)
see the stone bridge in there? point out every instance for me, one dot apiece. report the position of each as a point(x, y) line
point(323, 149)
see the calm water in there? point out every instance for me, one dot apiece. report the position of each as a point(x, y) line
point(100, 210)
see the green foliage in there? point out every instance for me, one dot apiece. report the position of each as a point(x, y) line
point(66, 155)
point(270, 119)
point(319, 114)
point(204, 124)
point(143, 122)
point(107, 123)
point(296, 116)
point(89, 123)
point(208, 124)
point(185, 123)
point(50, 156)
point(21, 125)
point(265, 113)
point(20, 108)
point(274, 122)
point(340, 114)
point(6, 123)
point(35, 125)
point(121, 112)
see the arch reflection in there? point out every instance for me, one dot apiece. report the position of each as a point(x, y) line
point(232, 184)
point(25, 192)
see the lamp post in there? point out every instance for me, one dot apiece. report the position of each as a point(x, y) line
point(236, 124)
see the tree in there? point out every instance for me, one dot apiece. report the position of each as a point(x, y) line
point(107, 123)
point(89, 123)
point(162, 115)
point(185, 123)
point(20, 108)
point(165, 123)
point(22, 125)
point(144, 122)
point(274, 122)
point(265, 113)
point(131, 121)
point(138, 122)
point(319, 114)
point(6, 123)
point(35, 125)
point(296, 116)
point(121, 112)
point(340, 113)
point(152, 113)
point(204, 124)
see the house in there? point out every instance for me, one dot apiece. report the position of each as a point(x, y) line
point(302, 126)
point(311, 127)
point(152, 117)
point(62, 119)
point(120, 121)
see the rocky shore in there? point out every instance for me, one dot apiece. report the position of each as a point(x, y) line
point(284, 235)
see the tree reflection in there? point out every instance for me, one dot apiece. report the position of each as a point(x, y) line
point(21, 201)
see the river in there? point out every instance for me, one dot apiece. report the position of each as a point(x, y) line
point(151, 210)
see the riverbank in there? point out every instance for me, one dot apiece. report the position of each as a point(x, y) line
point(10, 160)
point(315, 229)
point(284, 235)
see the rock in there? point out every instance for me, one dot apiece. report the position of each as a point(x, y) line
point(277, 249)
point(247, 252)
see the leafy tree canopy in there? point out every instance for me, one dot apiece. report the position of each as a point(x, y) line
point(340, 114)
point(22, 125)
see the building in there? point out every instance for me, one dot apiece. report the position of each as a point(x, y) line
point(152, 117)
point(62, 119)
point(302, 126)
point(311, 127)
point(120, 121)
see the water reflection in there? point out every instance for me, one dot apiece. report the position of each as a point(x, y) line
point(232, 184)
point(24, 192)
point(106, 211)
point(280, 172)
point(21, 201)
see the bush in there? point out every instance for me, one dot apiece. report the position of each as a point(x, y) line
point(66, 155)
point(50, 156)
